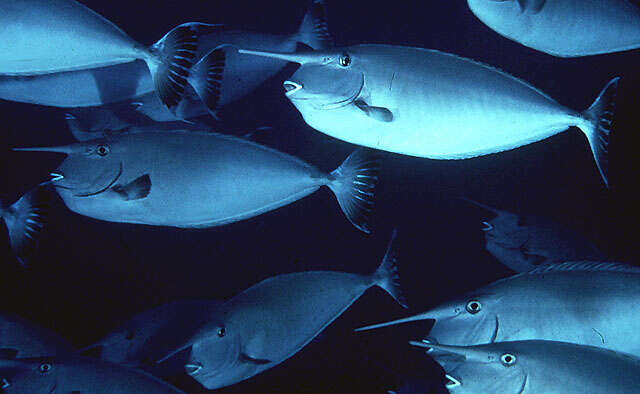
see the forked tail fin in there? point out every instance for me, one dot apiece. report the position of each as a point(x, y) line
point(206, 77)
point(354, 183)
point(173, 57)
point(314, 30)
point(25, 219)
point(598, 128)
point(387, 274)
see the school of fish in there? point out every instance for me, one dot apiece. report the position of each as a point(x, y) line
point(145, 153)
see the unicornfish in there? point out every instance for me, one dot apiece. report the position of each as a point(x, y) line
point(587, 303)
point(431, 104)
point(274, 319)
point(197, 179)
point(73, 374)
point(523, 242)
point(76, 38)
point(537, 367)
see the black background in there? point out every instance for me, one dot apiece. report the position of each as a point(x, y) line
point(87, 275)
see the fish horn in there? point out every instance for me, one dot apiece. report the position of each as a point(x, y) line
point(471, 353)
point(298, 57)
point(66, 149)
point(481, 205)
point(431, 315)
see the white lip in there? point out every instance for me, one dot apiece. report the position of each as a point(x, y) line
point(56, 177)
point(452, 383)
point(296, 86)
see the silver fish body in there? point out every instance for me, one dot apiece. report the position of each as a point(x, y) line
point(76, 374)
point(565, 28)
point(151, 334)
point(76, 38)
point(522, 367)
point(431, 104)
point(117, 83)
point(73, 38)
point(27, 340)
point(524, 242)
point(191, 179)
point(587, 303)
point(274, 319)
point(81, 88)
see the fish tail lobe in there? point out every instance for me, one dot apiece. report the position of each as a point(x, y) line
point(598, 127)
point(206, 77)
point(25, 219)
point(387, 277)
point(171, 61)
point(353, 184)
point(314, 30)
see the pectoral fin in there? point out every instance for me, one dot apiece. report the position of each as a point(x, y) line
point(248, 359)
point(531, 6)
point(380, 114)
point(134, 190)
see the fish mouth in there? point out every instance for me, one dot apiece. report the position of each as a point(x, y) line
point(452, 382)
point(347, 101)
point(291, 87)
point(104, 188)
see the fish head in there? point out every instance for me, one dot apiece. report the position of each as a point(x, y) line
point(28, 375)
point(509, 237)
point(119, 346)
point(325, 79)
point(216, 359)
point(472, 319)
point(491, 368)
point(90, 167)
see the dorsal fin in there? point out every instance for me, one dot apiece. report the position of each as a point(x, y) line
point(601, 266)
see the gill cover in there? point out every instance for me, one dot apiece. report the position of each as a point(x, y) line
point(326, 79)
point(91, 167)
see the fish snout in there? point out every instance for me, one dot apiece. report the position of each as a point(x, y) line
point(451, 382)
point(291, 88)
point(486, 226)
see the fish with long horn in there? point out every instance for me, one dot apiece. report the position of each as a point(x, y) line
point(199, 179)
point(587, 303)
point(536, 367)
point(431, 104)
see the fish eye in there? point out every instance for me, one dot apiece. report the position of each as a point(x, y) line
point(45, 367)
point(508, 359)
point(221, 332)
point(474, 307)
point(345, 60)
point(103, 150)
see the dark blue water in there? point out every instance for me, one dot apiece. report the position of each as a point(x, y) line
point(88, 276)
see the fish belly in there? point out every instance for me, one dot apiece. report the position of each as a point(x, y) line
point(300, 304)
point(201, 180)
point(73, 38)
point(82, 88)
point(583, 27)
point(456, 116)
